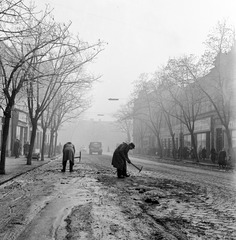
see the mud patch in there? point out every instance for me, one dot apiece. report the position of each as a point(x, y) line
point(79, 223)
point(157, 202)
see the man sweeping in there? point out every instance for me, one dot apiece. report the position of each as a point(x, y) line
point(120, 157)
point(68, 154)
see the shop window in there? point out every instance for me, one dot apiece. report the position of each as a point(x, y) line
point(234, 138)
point(176, 143)
point(18, 132)
point(201, 139)
point(187, 141)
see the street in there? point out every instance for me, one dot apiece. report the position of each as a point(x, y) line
point(163, 201)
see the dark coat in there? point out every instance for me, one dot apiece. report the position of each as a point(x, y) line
point(16, 148)
point(204, 153)
point(120, 156)
point(68, 152)
point(222, 158)
point(213, 154)
point(26, 148)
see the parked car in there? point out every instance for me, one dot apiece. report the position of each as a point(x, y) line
point(36, 156)
point(95, 147)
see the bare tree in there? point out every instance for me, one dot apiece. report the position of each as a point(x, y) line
point(67, 59)
point(220, 39)
point(163, 100)
point(219, 60)
point(67, 106)
point(124, 119)
point(10, 11)
point(140, 130)
point(16, 58)
point(24, 63)
point(16, 19)
point(146, 109)
point(180, 80)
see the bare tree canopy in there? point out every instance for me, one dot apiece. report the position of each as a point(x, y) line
point(39, 56)
point(220, 39)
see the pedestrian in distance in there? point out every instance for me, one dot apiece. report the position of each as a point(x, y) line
point(213, 154)
point(204, 153)
point(16, 148)
point(200, 152)
point(120, 157)
point(192, 153)
point(229, 163)
point(222, 161)
point(26, 149)
point(185, 152)
point(180, 153)
point(68, 154)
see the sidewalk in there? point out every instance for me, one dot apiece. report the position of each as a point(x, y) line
point(17, 166)
point(206, 162)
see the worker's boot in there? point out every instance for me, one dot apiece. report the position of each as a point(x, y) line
point(119, 173)
point(63, 167)
point(125, 174)
point(71, 166)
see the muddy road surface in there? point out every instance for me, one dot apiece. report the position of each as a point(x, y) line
point(164, 201)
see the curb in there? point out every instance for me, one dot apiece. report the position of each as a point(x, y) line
point(192, 162)
point(21, 173)
point(8, 177)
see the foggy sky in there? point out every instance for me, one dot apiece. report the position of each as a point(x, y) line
point(141, 35)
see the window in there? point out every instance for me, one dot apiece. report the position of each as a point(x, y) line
point(18, 132)
point(201, 139)
point(187, 140)
point(234, 138)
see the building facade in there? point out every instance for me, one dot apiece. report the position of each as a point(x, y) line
point(20, 128)
point(208, 128)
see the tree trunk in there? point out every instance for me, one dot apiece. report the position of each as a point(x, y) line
point(50, 151)
point(159, 146)
point(43, 143)
point(173, 144)
point(55, 144)
point(32, 139)
point(5, 132)
point(194, 146)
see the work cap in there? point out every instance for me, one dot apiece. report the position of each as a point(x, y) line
point(132, 145)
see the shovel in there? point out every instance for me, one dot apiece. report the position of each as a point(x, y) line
point(140, 169)
point(79, 156)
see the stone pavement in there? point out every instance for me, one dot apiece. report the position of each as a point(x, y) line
point(206, 162)
point(17, 166)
